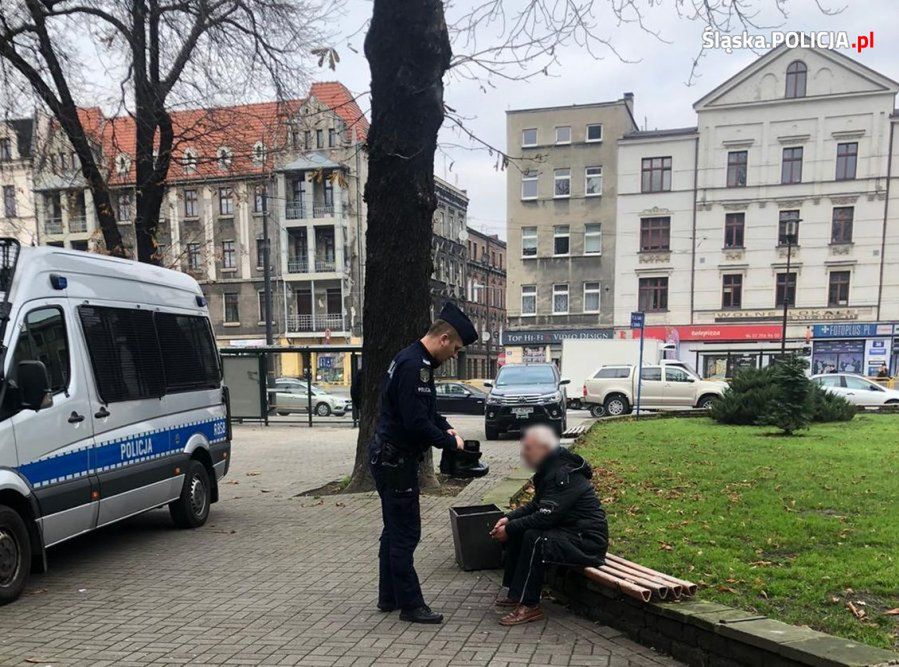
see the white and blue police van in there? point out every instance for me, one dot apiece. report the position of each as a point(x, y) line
point(111, 400)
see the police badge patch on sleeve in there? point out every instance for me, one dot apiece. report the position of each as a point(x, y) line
point(425, 374)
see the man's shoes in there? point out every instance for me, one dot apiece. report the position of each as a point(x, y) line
point(522, 614)
point(386, 607)
point(422, 614)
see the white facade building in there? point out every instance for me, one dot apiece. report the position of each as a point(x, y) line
point(801, 138)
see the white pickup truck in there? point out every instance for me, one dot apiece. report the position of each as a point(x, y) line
point(612, 390)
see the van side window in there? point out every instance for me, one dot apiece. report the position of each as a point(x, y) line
point(618, 372)
point(124, 353)
point(676, 375)
point(43, 338)
point(188, 352)
point(651, 373)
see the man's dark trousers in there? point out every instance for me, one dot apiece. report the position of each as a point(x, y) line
point(525, 567)
point(398, 582)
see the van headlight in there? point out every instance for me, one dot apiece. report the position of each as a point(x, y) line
point(554, 397)
point(492, 400)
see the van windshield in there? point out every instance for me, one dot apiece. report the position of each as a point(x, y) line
point(9, 254)
point(512, 375)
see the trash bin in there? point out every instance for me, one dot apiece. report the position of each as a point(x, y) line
point(475, 549)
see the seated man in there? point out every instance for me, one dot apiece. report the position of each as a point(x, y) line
point(564, 524)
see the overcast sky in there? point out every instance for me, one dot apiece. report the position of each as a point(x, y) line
point(658, 81)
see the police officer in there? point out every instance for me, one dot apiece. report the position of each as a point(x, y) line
point(408, 425)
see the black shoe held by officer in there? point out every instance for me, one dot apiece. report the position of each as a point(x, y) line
point(407, 426)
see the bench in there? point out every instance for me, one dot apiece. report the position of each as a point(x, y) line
point(638, 581)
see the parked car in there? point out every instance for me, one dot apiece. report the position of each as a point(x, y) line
point(290, 395)
point(523, 394)
point(112, 400)
point(857, 389)
point(599, 410)
point(460, 398)
point(612, 390)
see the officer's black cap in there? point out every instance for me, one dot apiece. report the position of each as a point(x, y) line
point(460, 322)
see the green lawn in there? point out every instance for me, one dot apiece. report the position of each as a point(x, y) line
point(792, 527)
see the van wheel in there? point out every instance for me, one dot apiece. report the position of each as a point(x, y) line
point(597, 410)
point(616, 405)
point(15, 554)
point(323, 410)
point(192, 509)
point(706, 402)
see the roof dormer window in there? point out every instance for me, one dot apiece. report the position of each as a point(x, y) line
point(190, 160)
point(258, 153)
point(224, 157)
point(122, 164)
point(796, 76)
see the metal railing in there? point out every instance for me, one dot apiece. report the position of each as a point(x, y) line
point(322, 210)
point(294, 210)
point(77, 223)
point(297, 265)
point(53, 226)
point(305, 323)
point(325, 265)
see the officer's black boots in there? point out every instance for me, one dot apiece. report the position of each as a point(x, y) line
point(464, 464)
point(422, 614)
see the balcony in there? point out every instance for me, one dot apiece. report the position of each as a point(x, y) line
point(53, 226)
point(77, 224)
point(310, 323)
point(297, 265)
point(293, 210)
point(322, 210)
point(325, 265)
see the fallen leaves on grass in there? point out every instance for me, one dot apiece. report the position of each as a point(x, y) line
point(664, 546)
point(856, 611)
point(892, 612)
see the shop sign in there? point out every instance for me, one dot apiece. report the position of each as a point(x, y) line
point(793, 314)
point(739, 332)
point(550, 336)
point(851, 330)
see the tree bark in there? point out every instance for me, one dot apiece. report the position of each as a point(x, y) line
point(408, 52)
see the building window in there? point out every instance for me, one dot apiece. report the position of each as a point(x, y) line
point(593, 181)
point(9, 201)
point(529, 185)
point(734, 226)
point(259, 197)
point(562, 180)
point(841, 229)
point(5, 149)
point(528, 299)
point(232, 308)
point(226, 201)
point(262, 306)
point(653, 295)
point(736, 168)
point(847, 159)
point(593, 239)
point(788, 219)
point(319, 138)
point(224, 158)
point(732, 291)
point(838, 290)
point(655, 174)
point(594, 132)
point(190, 203)
point(307, 139)
point(560, 299)
point(332, 137)
point(655, 234)
point(529, 137)
point(258, 153)
point(796, 74)
point(786, 288)
point(563, 134)
point(561, 240)
point(124, 208)
point(193, 256)
point(260, 253)
point(791, 167)
point(189, 161)
point(591, 297)
point(229, 255)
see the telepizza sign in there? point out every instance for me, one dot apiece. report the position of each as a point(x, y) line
point(714, 333)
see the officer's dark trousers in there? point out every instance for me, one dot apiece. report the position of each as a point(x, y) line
point(525, 567)
point(398, 583)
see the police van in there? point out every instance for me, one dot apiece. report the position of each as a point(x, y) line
point(111, 400)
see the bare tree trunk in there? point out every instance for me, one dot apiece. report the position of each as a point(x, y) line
point(408, 51)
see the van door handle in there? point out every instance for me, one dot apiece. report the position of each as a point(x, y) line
point(102, 413)
point(75, 418)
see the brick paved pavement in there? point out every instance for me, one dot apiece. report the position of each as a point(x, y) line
point(276, 579)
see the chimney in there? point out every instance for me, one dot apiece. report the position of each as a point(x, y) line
point(629, 102)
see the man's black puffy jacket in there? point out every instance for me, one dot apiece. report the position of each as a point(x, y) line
point(566, 508)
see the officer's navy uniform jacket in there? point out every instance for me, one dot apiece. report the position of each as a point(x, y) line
point(408, 426)
point(564, 523)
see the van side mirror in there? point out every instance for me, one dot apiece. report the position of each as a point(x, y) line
point(561, 382)
point(488, 384)
point(34, 385)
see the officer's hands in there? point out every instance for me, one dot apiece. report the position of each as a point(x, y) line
point(499, 533)
point(451, 431)
point(502, 522)
point(460, 443)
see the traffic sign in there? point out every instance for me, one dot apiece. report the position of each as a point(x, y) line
point(638, 319)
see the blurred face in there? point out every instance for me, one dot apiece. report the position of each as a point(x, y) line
point(533, 451)
point(447, 347)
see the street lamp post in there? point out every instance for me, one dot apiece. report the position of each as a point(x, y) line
point(790, 229)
